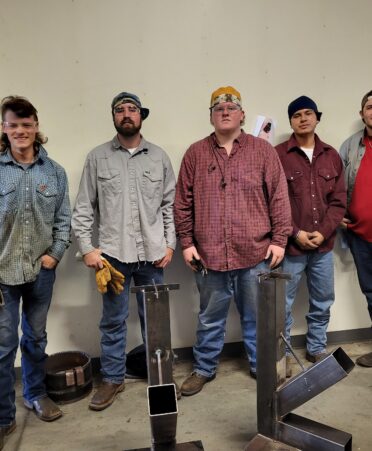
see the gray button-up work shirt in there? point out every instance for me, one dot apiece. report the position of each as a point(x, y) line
point(133, 196)
point(34, 216)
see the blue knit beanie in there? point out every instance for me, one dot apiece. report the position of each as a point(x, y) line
point(303, 103)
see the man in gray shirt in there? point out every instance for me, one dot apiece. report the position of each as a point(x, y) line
point(129, 183)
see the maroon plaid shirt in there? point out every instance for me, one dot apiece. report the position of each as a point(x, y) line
point(231, 208)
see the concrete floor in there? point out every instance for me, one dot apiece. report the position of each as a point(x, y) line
point(222, 416)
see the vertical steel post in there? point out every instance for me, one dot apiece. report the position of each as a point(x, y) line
point(270, 349)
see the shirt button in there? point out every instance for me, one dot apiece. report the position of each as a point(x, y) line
point(313, 195)
point(315, 222)
point(26, 222)
point(314, 208)
point(26, 188)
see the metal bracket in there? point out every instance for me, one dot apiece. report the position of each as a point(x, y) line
point(161, 391)
point(278, 428)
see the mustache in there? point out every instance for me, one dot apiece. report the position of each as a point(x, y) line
point(126, 120)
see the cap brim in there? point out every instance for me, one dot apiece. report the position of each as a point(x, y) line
point(144, 112)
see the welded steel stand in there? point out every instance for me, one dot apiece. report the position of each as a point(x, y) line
point(161, 390)
point(278, 428)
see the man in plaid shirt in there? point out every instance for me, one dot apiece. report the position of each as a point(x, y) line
point(232, 216)
point(34, 234)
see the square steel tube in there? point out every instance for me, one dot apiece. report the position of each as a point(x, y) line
point(163, 411)
point(308, 435)
point(317, 378)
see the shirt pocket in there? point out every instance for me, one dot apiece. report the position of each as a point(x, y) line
point(152, 182)
point(249, 180)
point(46, 197)
point(327, 179)
point(8, 198)
point(295, 180)
point(109, 180)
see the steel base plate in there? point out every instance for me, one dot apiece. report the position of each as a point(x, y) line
point(262, 443)
point(187, 446)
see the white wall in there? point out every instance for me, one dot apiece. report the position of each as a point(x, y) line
point(70, 57)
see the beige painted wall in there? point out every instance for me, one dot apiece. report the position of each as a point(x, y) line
point(70, 57)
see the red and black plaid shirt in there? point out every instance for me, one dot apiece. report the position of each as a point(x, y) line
point(232, 207)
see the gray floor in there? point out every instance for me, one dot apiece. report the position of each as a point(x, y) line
point(222, 416)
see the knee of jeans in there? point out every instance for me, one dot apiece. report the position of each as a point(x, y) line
point(8, 337)
point(29, 344)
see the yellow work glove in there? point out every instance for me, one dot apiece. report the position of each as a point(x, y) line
point(116, 286)
point(103, 277)
point(117, 278)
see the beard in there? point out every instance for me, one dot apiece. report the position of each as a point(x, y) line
point(127, 128)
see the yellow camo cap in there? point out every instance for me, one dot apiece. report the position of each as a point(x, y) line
point(226, 94)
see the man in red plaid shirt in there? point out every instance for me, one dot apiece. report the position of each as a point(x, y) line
point(233, 218)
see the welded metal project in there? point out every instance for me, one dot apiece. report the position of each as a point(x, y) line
point(161, 390)
point(278, 428)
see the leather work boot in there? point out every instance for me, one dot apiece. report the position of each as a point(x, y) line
point(44, 408)
point(4, 431)
point(105, 395)
point(194, 383)
point(315, 358)
point(365, 360)
point(288, 368)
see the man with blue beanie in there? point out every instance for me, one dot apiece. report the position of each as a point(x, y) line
point(317, 194)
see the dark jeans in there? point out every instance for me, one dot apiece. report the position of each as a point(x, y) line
point(115, 313)
point(36, 297)
point(362, 253)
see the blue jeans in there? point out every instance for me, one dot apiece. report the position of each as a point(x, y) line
point(216, 289)
point(36, 297)
point(318, 268)
point(362, 253)
point(115, 312)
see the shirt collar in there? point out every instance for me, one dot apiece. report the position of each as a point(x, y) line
point(41, 155)
point(239, 139)
point(143, 145)
point(319, 145)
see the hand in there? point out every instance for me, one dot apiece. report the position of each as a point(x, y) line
point(48, 262)
point(93, 259)
point(163, 262)
point(304, 241)
point(344, 223)
point(189, 254)
point(316, 238)
point(277, 253)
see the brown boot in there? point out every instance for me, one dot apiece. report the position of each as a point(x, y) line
point(6, 430)
point(194, 383)
point(44, 408)
point(315, 358)
point(105, 395)
point(365, 360)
